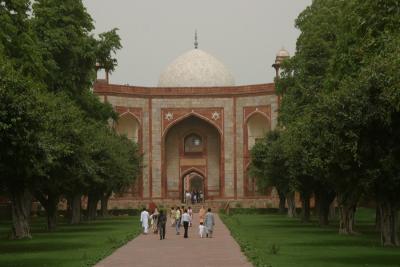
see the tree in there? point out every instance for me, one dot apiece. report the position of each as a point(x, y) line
point(20, 122)
point(117, 166)
point(64, 139)
point(107, 46)
point(22, 70)
point(351, 101)
point(269, 166)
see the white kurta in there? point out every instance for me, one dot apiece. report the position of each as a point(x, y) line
point(144, 219)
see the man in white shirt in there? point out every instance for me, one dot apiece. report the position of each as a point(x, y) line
point(144, 220)
point(186, 220)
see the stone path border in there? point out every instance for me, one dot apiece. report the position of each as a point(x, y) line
point(175, 251)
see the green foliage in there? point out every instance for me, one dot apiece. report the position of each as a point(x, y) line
point(21, 117)
point(108, 44)
point(269, 163)
point(55, 133)
point(63, 30)
point(341, 98)
point(17, 42)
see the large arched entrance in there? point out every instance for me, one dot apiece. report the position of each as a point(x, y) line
point(191, 158)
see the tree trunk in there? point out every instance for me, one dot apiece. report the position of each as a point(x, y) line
point(21, 204)
point(93, 199)
point(389, 224)
point(346, 222)
point(305, 207)
point(332, 210)
point(52, 211)
point(378, 218)
point(325, 200)
point(68, 212)
point(76, 209)
point(104, 204)
point(291, 203)
point(282, 202)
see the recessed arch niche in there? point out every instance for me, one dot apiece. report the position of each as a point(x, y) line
point(128, 125)
point(256, 127)
point(205, 153)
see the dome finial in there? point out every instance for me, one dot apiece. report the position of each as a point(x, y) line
point(196, 43)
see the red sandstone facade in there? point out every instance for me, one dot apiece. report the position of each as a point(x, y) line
point(226, 120)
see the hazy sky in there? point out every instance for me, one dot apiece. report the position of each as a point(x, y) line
point(244, 34)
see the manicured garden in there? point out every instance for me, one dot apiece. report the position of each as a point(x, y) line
point(69, 245)
point(278, 241)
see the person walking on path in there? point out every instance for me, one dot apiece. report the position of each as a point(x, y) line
point(202, 230)
point(154, 221)
point(161, 222)
point(172, 216)
point(190, 211)
point(202, 213)
point(144, 220)
point(177, 220)
point(209, 223)
point(186, 221)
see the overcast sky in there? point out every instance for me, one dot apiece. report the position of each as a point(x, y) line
point(244, 34)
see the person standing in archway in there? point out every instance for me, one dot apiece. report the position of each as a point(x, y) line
point(209, 222)
point(186, 221)
point(188, 197)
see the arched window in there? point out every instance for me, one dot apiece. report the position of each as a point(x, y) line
point(128, 125)
point(193, 144)
point(257, 127)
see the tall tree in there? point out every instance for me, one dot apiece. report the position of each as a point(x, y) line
point(21, 117)
point(21, 69)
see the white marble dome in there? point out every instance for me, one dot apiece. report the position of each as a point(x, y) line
point(196, 68)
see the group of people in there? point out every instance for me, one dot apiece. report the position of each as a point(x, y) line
point(179, 216)
point(158, 221)
point(194, 197)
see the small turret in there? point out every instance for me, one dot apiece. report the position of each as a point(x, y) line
point(281, 56)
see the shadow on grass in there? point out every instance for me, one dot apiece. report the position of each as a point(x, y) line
point(383, 259)
point(33, 262)
point(72, 230)
point(28, 246)
point(336, 243)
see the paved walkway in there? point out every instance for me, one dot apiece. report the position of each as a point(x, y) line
point(175, 251)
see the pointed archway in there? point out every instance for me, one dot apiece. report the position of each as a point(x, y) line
point(195, 181)
point(192, 143)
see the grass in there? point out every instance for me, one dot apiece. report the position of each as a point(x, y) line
point(277, 241)
point(70, 245)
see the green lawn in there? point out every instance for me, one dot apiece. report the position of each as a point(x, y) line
point(307, 245)
point(70, 245)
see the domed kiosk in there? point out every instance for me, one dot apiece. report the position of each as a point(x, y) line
point(196, 130)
